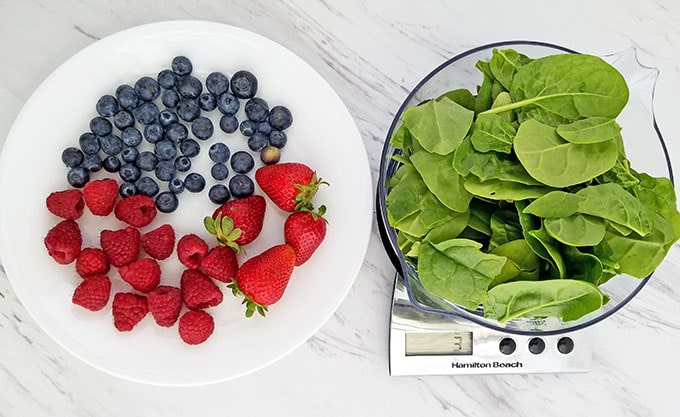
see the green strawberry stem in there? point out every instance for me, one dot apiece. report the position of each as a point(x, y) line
point(251, 306)
point(303, 199)
point(223, 228)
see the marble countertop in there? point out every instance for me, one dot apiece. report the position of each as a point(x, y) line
point(372, 54)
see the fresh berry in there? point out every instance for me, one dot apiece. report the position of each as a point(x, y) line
point(228, 104)
point(189, 148)
point(93, 293)
point(89, 143)
point(92, 163)
point(129, 172)
point(154, 132)
point(107, 105)
point(123, 119)
point(198, 290)
point(165, 170)
point(146, 113)
point(265, 128)
point(219, 194)
point(181, 65)
point(228, 123)
point(131, 136)
point(170, 98)
point(138, 210)
point(262, 279)
point(217, 83)
point(147, 186)
point(257, 141)
point(165, 150)
point(120, 246)
point(188, 110)
point(72, 157)
point(67, 204)
point(128, 310)
point(166, 78)
point(143, 275)
point(111, 144)
point(270, 155)
point(130, 154)
point(189, 86)
point(176, 186)
point(278, 138)
point(191, 250)
point(127, 189)
point(219, 171)
point(147, 88)
point(165, 304)
point(100, 126)
point(100, 196)
point(126, 96)
point(247, 128)
point(245, 214)
point(207, 102)
point(64, 242)
point(167, 202)
point(147, 161)
point(241, 186)
point(219, 152)
point(78, 177)
point(304, 231)
point(242, 162)
point(220, 263)
point(159, 242)
point(195, 327)
point(280, 118)
point(244, 84)
point(291, 185)
point(182, 164)
point(111, 164)
point(194, 182)
point(202, 128)
point(92, 261)
point(167, 117)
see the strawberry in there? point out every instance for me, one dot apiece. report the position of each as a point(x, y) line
point(128, 310)
point(100, 196)
point(191, 250)
point(290, 185)
point(165, 303)
point(304, 231)
point(143, 275)
point(67, 204)
point(64, 242)
point(195, 327)
point(237, 222)
point(137, 210)
point(93, 293)
point(92, 261)
point(120, 246)
point(198, 290)
point(160, 242)
point(220, 264)
point(262, 279)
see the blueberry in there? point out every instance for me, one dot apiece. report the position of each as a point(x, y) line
point(127, 98)
point(248, 127)
point(243, 84)
point(219, 152)
point(257, 141)
point(72, 157)
point(165, 150)
point(131, 136)
point(165, 170)
point(228, 123)
point(270, 155)
point(167, 117)
point(181, 65)
point(78, 176)
point(176, 132)
point(278, 138)
point(129, 172)
point(280, 118)
point(107, 105)
point(123, 119)
point(129, 154)
point(182, 164)
point(147, 161)
point(256, 109)
point(202, 128)
point(189, 86)
point(127, 189)
point(242, 162)
point(166, 202)
point(228, 103)
point(147, 186)
point(147, 89)
point(219, 194)
point(241, 186)
point(92, 163)
point(100, 126)
point(194, 182)
point(110, 144)
point(176, 185)
point(170, 98)
point(219, 172)
point(111, 163)
point(167, 78)
point(264, 128)
point(89, 143)
point(146, 113)
point(154, 132)
point(217, 83)
point(189, 148)
point(207, 102)
point(188, 110)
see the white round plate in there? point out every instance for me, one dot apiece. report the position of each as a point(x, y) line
point(323, 136)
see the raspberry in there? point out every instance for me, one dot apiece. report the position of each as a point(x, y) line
point(143, 275)
point(195, 327)
point(220, 263)
point(67, 204)
point(137, 210)
point(198, 290)
point(93, 292)
point(191, 250)
point(128, 310)
point(100, 196)
point(64, 241)
point(120, 246)
point(165, 303)
point(160, 242)
point(92, 261)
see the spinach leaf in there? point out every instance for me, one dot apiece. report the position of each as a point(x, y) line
point(461, 96)
point(484, 91)
point(449, 229)
point(441, 179)
point(402, 139)
point(589, 130)
point(502, 190)
point(505, 227)
point(504, 64)
point(492, 133)
point(612, 202)
point(438, 126)
point(405, 197)
point(582, 266)
point(576, 230)
point(522, 263)
point(554, 204)
point(658, 195)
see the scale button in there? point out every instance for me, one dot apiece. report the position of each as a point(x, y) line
point(507, 346)
point(536, 345)
point(565, 345)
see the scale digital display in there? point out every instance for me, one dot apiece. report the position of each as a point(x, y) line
point(438, 343)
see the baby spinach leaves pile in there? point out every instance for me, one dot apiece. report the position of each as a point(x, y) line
point(520, 197)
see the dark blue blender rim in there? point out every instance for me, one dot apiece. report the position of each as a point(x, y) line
point(388, 234)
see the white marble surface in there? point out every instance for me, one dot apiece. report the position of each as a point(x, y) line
point(372, 53)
